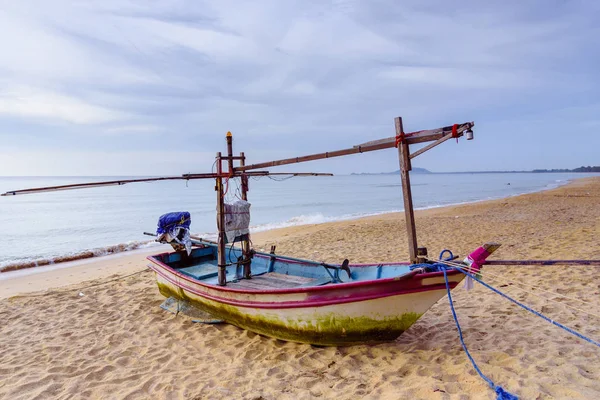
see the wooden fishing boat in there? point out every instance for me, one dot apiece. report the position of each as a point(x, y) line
point(301, 300)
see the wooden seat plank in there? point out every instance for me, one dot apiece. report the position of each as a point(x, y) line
point(271, 280)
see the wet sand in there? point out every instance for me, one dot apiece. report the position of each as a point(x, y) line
point(65, 336)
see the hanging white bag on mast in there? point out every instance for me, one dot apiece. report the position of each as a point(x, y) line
point(237, 220)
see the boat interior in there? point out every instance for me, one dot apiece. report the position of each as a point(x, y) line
point(272, 271)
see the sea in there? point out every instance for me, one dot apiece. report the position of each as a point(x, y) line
point(51, 227)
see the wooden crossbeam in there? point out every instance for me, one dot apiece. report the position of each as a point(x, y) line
point(387, 143)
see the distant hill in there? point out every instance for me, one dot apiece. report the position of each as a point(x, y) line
point(580, 169)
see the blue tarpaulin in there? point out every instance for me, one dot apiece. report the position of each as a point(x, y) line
point(174, 228)
point(171, 220)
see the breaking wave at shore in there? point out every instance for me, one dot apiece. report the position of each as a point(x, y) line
point(75, 256)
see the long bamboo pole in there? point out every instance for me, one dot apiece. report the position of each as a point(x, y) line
point(220, 223)
point(98, 184)
point(184, 177)
point(542, 262)
point(405, 167)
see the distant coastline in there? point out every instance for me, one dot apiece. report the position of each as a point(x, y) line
point(582, 169)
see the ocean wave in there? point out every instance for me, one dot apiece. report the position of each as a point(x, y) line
point(313, 219)
point(74, 256)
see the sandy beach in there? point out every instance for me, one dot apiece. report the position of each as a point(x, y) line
point(94, 330)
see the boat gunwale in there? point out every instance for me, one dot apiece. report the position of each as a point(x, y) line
point(297, 303)
point(303, 289)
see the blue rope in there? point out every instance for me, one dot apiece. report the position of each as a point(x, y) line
point(566, 328)
point(435, 267)
point(502, 394)
point(449, 258)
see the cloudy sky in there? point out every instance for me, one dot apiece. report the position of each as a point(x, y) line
point(117, 87)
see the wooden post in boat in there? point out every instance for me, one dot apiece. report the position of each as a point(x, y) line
point(405, 167)
point(229, 139)
point(245, 243)
point(244, 177)
point(220, 223)
point(421, 255)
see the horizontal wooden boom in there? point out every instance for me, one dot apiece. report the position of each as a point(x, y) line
point(387, 143)
point(88, 185)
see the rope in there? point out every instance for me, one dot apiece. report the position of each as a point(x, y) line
point(113, 280)
point(547, 299)
point(566, 328)
point(61, 290)
point(499, 278)
point(558, 324)
point(280, 179)
point(237, 192)
point(399, 139)
point(502, 394)
point(226, 187)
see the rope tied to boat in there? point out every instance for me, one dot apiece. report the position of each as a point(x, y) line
point(530, 289)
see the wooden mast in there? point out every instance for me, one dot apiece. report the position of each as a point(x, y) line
point(244, 183)
point(405, 167)
point(220, 223)
point(245, 242)
point(244, 179)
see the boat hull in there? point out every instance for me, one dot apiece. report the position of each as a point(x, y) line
point(332, 315)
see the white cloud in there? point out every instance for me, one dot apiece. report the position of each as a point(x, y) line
point(465, 78)
point(34, 49)
point(23, 102)
point(336, 36)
